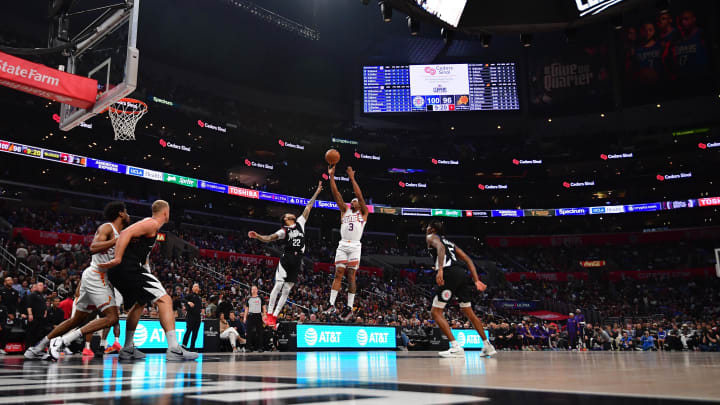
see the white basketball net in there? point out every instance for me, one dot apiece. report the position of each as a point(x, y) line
point(124, 115)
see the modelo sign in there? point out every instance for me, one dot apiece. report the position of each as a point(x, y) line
point(345, 337)
point(149, 334)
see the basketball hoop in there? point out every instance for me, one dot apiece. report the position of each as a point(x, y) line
point(124, 115)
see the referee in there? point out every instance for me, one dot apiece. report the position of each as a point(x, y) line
point(194, 304)
point(253, 318)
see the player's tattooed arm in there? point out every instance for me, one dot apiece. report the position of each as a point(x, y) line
point(103, 239)
point(434, 241)
point(308, 207)
point(263, 238)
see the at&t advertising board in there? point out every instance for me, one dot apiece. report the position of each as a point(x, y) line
point(345, 337)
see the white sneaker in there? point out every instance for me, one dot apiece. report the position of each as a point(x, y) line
point(180, 354)
point(32, 354)
point(453, 352)
point(68, 352)
point(488, 350)
point(56, 347)
point(2, 351)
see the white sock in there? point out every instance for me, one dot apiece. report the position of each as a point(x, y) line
point(41, 344)
point(455, 344)
point(333, 297)
point(87, 345)
point(129, 335)
point(171, 339)
point(273, 296)
point(103, 343)
point(351, 300)
point(71, 336)
point(283, 298)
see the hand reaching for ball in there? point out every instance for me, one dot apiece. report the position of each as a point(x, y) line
point(350, 172)
point(252, 235)
point(331, 171)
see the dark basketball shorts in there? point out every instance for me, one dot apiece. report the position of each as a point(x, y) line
point(289, 267)
point(458, 284)
point(136, 284)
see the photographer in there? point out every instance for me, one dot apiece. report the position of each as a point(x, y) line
point(709, 340)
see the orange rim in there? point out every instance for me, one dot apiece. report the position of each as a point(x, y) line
point(129, 100)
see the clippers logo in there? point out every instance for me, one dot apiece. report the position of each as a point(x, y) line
point(431, 71)
point(311, 337)
point(446, 294)
point(362, 337)
point(419, 101)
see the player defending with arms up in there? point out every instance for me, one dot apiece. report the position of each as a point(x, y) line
point(140, 287)
point(352, 224)
point(453, 280)
point(286, 275)
point(95, 292)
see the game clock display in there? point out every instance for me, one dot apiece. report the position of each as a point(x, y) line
point(452, 87)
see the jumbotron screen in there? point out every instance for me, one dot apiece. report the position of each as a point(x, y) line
point(452, 87)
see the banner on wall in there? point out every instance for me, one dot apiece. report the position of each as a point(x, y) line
point(572, 78)
point(243, 258)
point(51, 238)
point(330, 268)
point(515, 305)
point(605, 238)
point(515, 277)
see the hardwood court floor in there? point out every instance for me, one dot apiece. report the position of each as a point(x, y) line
point(586, 378)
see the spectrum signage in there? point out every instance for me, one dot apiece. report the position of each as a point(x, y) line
point(266, 166)
point(518, 162)
point(345, 141)
point(571, 211)
point(290, 145)
point(345, 337)
point(207, 125)
point(616, 156)
point(445, 162)
point(366, 157)
point(493, 186)
point(162, 101)
point(663, 177)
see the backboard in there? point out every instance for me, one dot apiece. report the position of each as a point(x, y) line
point(108, 53)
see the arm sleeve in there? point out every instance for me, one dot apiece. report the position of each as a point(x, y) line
point(280, 233)
point(301, 220)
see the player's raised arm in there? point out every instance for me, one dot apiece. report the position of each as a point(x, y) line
point(335, 192)
point(103, 239)
point(358, 192)
point(308, 207)
point(264, 238)
point(147, 226)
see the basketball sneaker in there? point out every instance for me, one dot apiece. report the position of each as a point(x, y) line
point(88, 353)
point(330, 310)
point(57, 346)
point(488, 350)
point(114, 348)
point(271, 320)
point(453, 352)
point(180, 354)
point(33, 354)
point(131, 353)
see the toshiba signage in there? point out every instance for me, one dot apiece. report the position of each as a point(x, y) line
point(707, 202)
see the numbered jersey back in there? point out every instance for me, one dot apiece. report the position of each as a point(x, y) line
point(352, 225)
point(450, 257)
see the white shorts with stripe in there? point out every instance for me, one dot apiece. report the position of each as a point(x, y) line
point(96, 293)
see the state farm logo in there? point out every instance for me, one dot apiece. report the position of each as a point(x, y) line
point(311, 337)
point(431, 71)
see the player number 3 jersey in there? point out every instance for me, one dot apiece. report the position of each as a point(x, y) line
point(351, 226)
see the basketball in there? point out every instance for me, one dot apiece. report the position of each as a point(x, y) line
point(332, 156)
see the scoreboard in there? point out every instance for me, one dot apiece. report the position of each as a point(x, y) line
point(452, 87)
